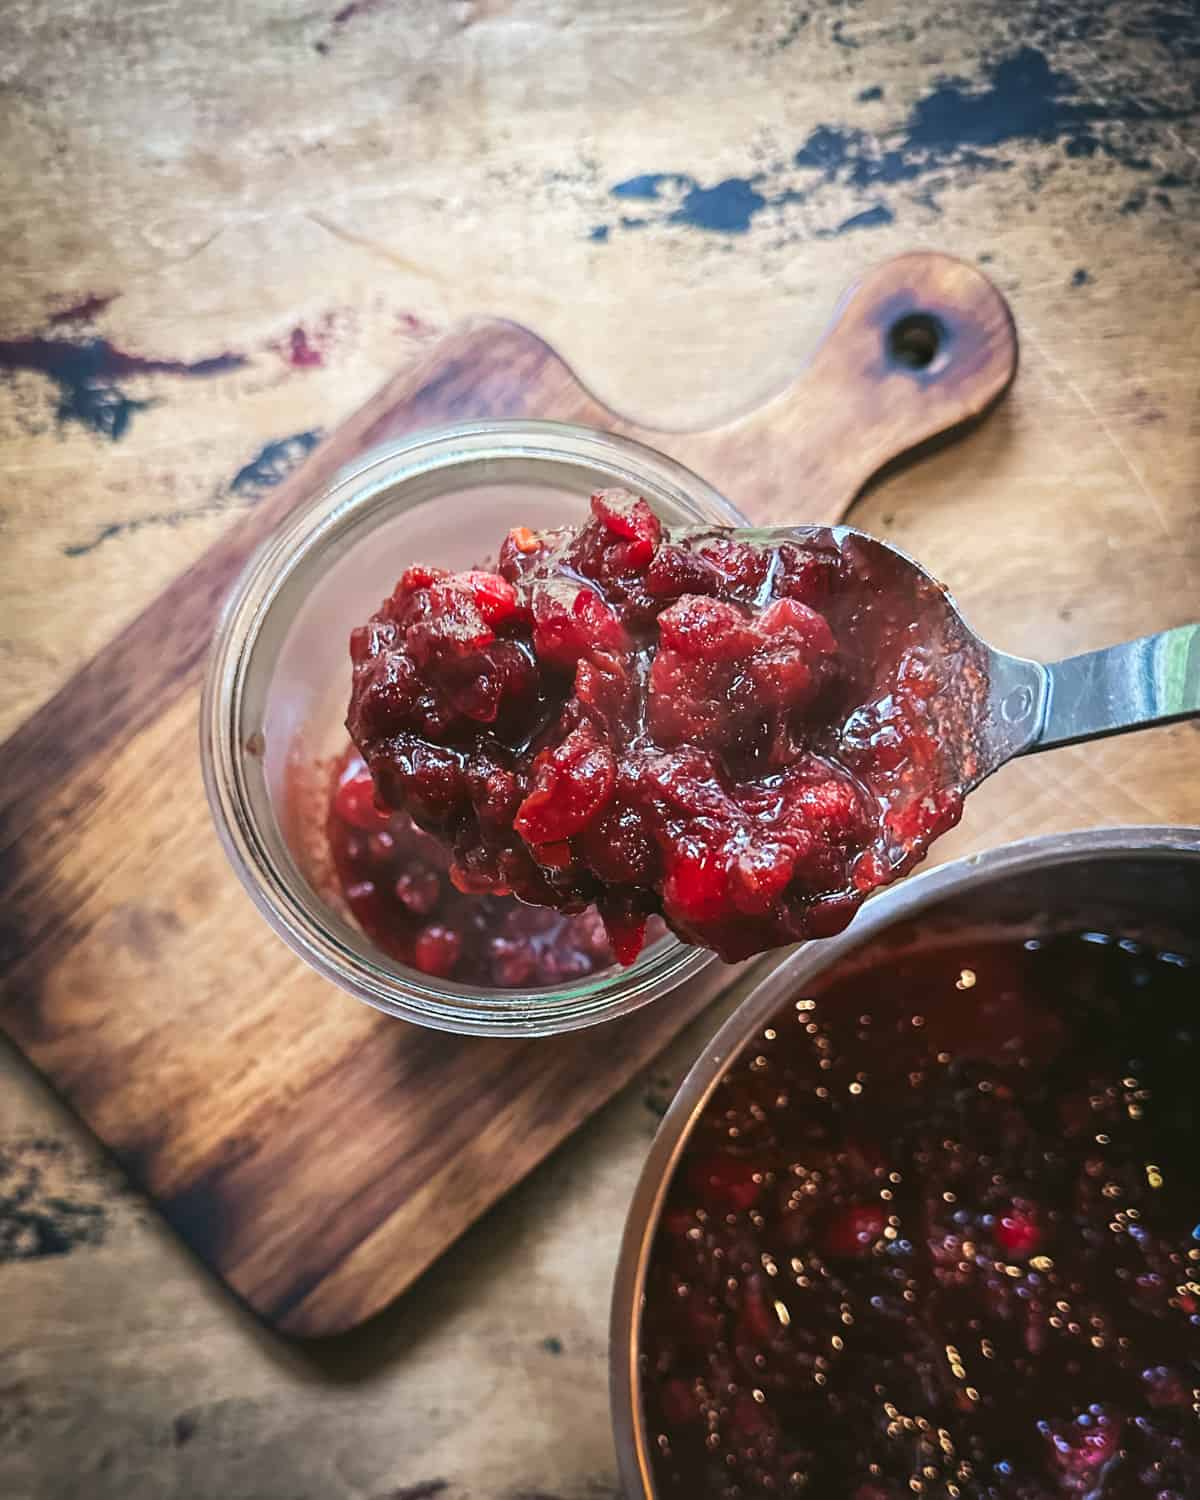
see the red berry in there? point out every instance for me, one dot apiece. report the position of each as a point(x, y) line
point(759, 876)
point(419, 890)
point(758, 1323)
point(364, 901)
point(354, 803)
point(677, 1222)
point(696, 886)
point(437, 950)
point(725, 1182)
point(381, 847)
point(678, 1403)
point(833, 809)
point(706, 629)
point(571, 784)
point(854, 1231)
point(495, 598)
point(419, 576)
point(627, 515)
point(750, 1421)
point(796, 622)
point(1017, 1232)
point(570, 622)
point(1080, 1447)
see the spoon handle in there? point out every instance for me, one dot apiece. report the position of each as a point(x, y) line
point(1149, 681)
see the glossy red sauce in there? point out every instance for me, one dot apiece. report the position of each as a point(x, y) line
point(938, 1234)
point(742, 737)
point(395, 880)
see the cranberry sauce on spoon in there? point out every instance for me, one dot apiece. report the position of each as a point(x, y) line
point(746, 738)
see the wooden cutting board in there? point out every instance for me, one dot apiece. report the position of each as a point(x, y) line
point(315, 1154)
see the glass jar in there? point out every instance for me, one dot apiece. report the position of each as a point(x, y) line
point(278, 683)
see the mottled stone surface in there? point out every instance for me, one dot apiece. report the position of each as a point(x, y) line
point(228, 224)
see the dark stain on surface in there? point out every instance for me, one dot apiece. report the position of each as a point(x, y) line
point(87, 372)
point(552, 1345)
point(354, 8)
point(424, 1489)
point(341, 16)
point(84, 311)
point(868, 96)
point(659, 1092)
point(791, 33)
point(837, 35)
point(958, 130)
point(728, 207)
point(199, 1214)
point(18, 1416)
point(300, 352)
point(1080, 277)
point(599, 233)
point(274, 462)
point(183, 1430)
point(44, 1209)
point(651, 184)
point(141, 930)
point(269, 467)
point(870, 218)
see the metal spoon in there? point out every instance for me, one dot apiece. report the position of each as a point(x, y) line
point(999, 706)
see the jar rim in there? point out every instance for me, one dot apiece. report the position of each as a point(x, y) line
point(374, 483)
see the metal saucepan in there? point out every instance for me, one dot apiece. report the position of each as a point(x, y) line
point(1144, 882)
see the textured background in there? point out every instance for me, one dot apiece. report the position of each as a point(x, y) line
point(226, 225)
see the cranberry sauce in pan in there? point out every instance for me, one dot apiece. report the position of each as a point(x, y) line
point(746, 738)
point(938, 1234)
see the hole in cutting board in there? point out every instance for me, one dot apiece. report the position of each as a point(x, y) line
point(916, 340)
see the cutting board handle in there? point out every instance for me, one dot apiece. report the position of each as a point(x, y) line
point(920, 346)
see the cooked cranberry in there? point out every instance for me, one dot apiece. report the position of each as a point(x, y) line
point(854, 1230)
point(758, 1323)
point(679, 1405)
point(398, 883)
point(355, 804)
point(750, 1421)
point(418, 889)
point(495, 598)
point(437, 949)
point(1082, 1445)
point(571, 784)
point(724, 1182)
point(629, 517)
point(1017, 1232)
point(739, 737)
point(888, 1253)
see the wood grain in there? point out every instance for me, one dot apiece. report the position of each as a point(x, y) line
point(434, 161)
point(316, 1155)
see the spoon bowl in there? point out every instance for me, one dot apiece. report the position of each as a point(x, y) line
point(997, 706)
